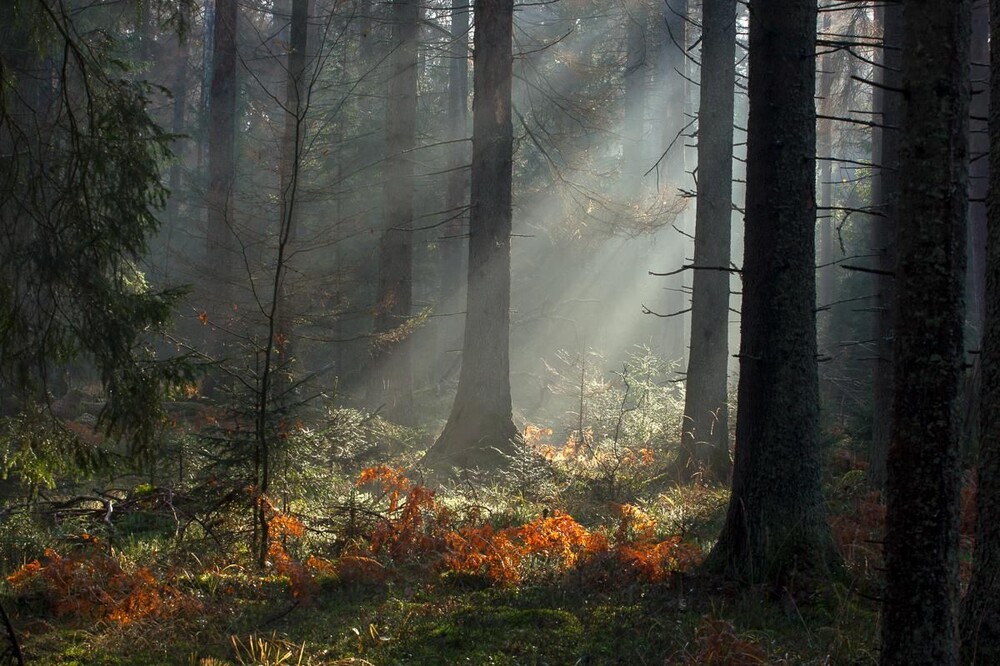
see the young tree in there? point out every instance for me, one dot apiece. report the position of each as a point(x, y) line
point(480, 425)
point(980, 620)
point(776, 523)
point(705, 428)
point(391, 380)
point(919, 620)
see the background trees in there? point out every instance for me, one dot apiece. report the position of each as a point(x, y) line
point(705, 430)
point(322, 191)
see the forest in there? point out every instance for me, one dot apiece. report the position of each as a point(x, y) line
point(369, 332)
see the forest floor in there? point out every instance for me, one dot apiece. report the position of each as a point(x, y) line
point(395, 573)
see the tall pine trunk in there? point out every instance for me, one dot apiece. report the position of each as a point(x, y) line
point(480, 427)
point(980, 622)
point(919, 620)
point(776, 523)
point(451, 280)
point(885, 199)
point(391, 383)
point(705, 429)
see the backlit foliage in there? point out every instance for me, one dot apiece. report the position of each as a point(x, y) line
point(91, 584)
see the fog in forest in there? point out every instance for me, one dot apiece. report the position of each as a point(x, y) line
point(603, 195)
point(570, 331)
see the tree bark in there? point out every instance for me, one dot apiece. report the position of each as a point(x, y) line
point(451, 281)
point(826, 217)
point(980, 622)
point(919, 620)
point(221, 134)
point(776, 523)
point(480, 427)
point(674, 66)
point(885, 197)
point(391, 384)
point(705, 428)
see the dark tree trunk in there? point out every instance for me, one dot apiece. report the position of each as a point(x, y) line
point(824, 149)
point(979, 174)
point(980, 626)
point(221, 131)
point(480, 424)
point(391, 383)
point(178, 125)
point(450, 287)
point(705, 430)
point(776, 523)
point(919, 620)
point(979, 169)
point(885, 198)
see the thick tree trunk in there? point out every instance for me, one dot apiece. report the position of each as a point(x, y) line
point(885, 199)
point(451, 255)
point(705, 429)
point(391, 383)
point(776, 523)
point(980, 626)
point(480, 426)
point(919, 621)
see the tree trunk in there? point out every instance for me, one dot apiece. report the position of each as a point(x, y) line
point(979, 170)
point(451, 283)
point(980, 626)
point(885, 198)
point(705, 429)
point(480, 426)
point(633, 162)
point(919, 620)
point(291, 158)
point(672, 73)
point(222, 123)
point(776, 523)
point(391, 383)
point(824, 149)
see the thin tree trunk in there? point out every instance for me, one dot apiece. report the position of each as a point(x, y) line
point(291, 157)
point(222, 122)
point(633, 163)
point(705, 429)
point(919, 618)
point(980, 623)
point(450, 287)
point(885, 197)
point(391, 383)
point(673, 70)
point(776, 523)
point(824, 149)
point(480, 427)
